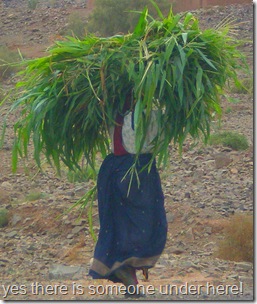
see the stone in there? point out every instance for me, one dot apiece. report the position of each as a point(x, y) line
point(177, 250)
point(76, 229)
point(159, 266)
point(210, 244)
point(79, 222)
point(3, 263)
point(15, 219)
point(208, 230)
point(245, 266)
point(232, 276)
point(201, 205)
point(62, 272)
point(170, 217)
point(190, 233)
point(234, 170)
point(6, 186)
point(11, 234)
point(187, 195)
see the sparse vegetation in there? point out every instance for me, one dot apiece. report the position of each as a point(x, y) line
point(52, 3)
point(233, 99)
point(1, 93)
point(7, 57)
point(3, 218)
point(246, 86)
point(32, 4)
point(76, 26)
point(33, 196)
point(228, 110)
point(230, 139)
point(110, 17)
point(237, 244)
point(82, 175)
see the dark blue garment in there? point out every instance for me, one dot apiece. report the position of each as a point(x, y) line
point(133, 225)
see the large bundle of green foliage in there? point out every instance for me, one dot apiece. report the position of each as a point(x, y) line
point(69, 97)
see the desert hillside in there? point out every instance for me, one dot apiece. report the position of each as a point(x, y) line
point(205, 189)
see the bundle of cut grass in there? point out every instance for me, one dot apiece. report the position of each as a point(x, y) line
point(69, 98)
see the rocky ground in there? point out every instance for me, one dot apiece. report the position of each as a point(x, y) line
point(45, 252)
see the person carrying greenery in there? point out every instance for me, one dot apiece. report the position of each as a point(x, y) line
point(133, 225)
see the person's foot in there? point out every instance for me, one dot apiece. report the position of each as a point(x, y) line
point(133, 292)
point(127, 275)
point(145, 273)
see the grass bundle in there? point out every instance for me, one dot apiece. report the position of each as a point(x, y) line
point(69, 98)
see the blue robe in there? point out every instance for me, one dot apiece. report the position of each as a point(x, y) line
point(133, 226)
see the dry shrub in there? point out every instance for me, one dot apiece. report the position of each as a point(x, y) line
point(7, 60)
point(3, 217)
point(76, 26)
point(237, 244)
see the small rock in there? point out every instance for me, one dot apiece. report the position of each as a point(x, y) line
point(233, 276)
point(79, 222)
point(234, 171)
point(209, 162)
point(170, 217)
point(185, 217)
point(245, 266)
point(208, 230)
point(190, 234)
point(188, 264)
point(226, 149)
point(76, 229)
point(62, 272)
point(201, 205)
point(159, 266)
point(3, 263)
point(11, 234)
point(191, 220)
point(15, 219)
point(187, 195)
point(6, 186)
point(177, 250)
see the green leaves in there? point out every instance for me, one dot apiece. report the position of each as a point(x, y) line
point(142, 23)
point(70, 97)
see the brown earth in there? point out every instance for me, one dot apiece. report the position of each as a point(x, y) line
point(203, 189)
